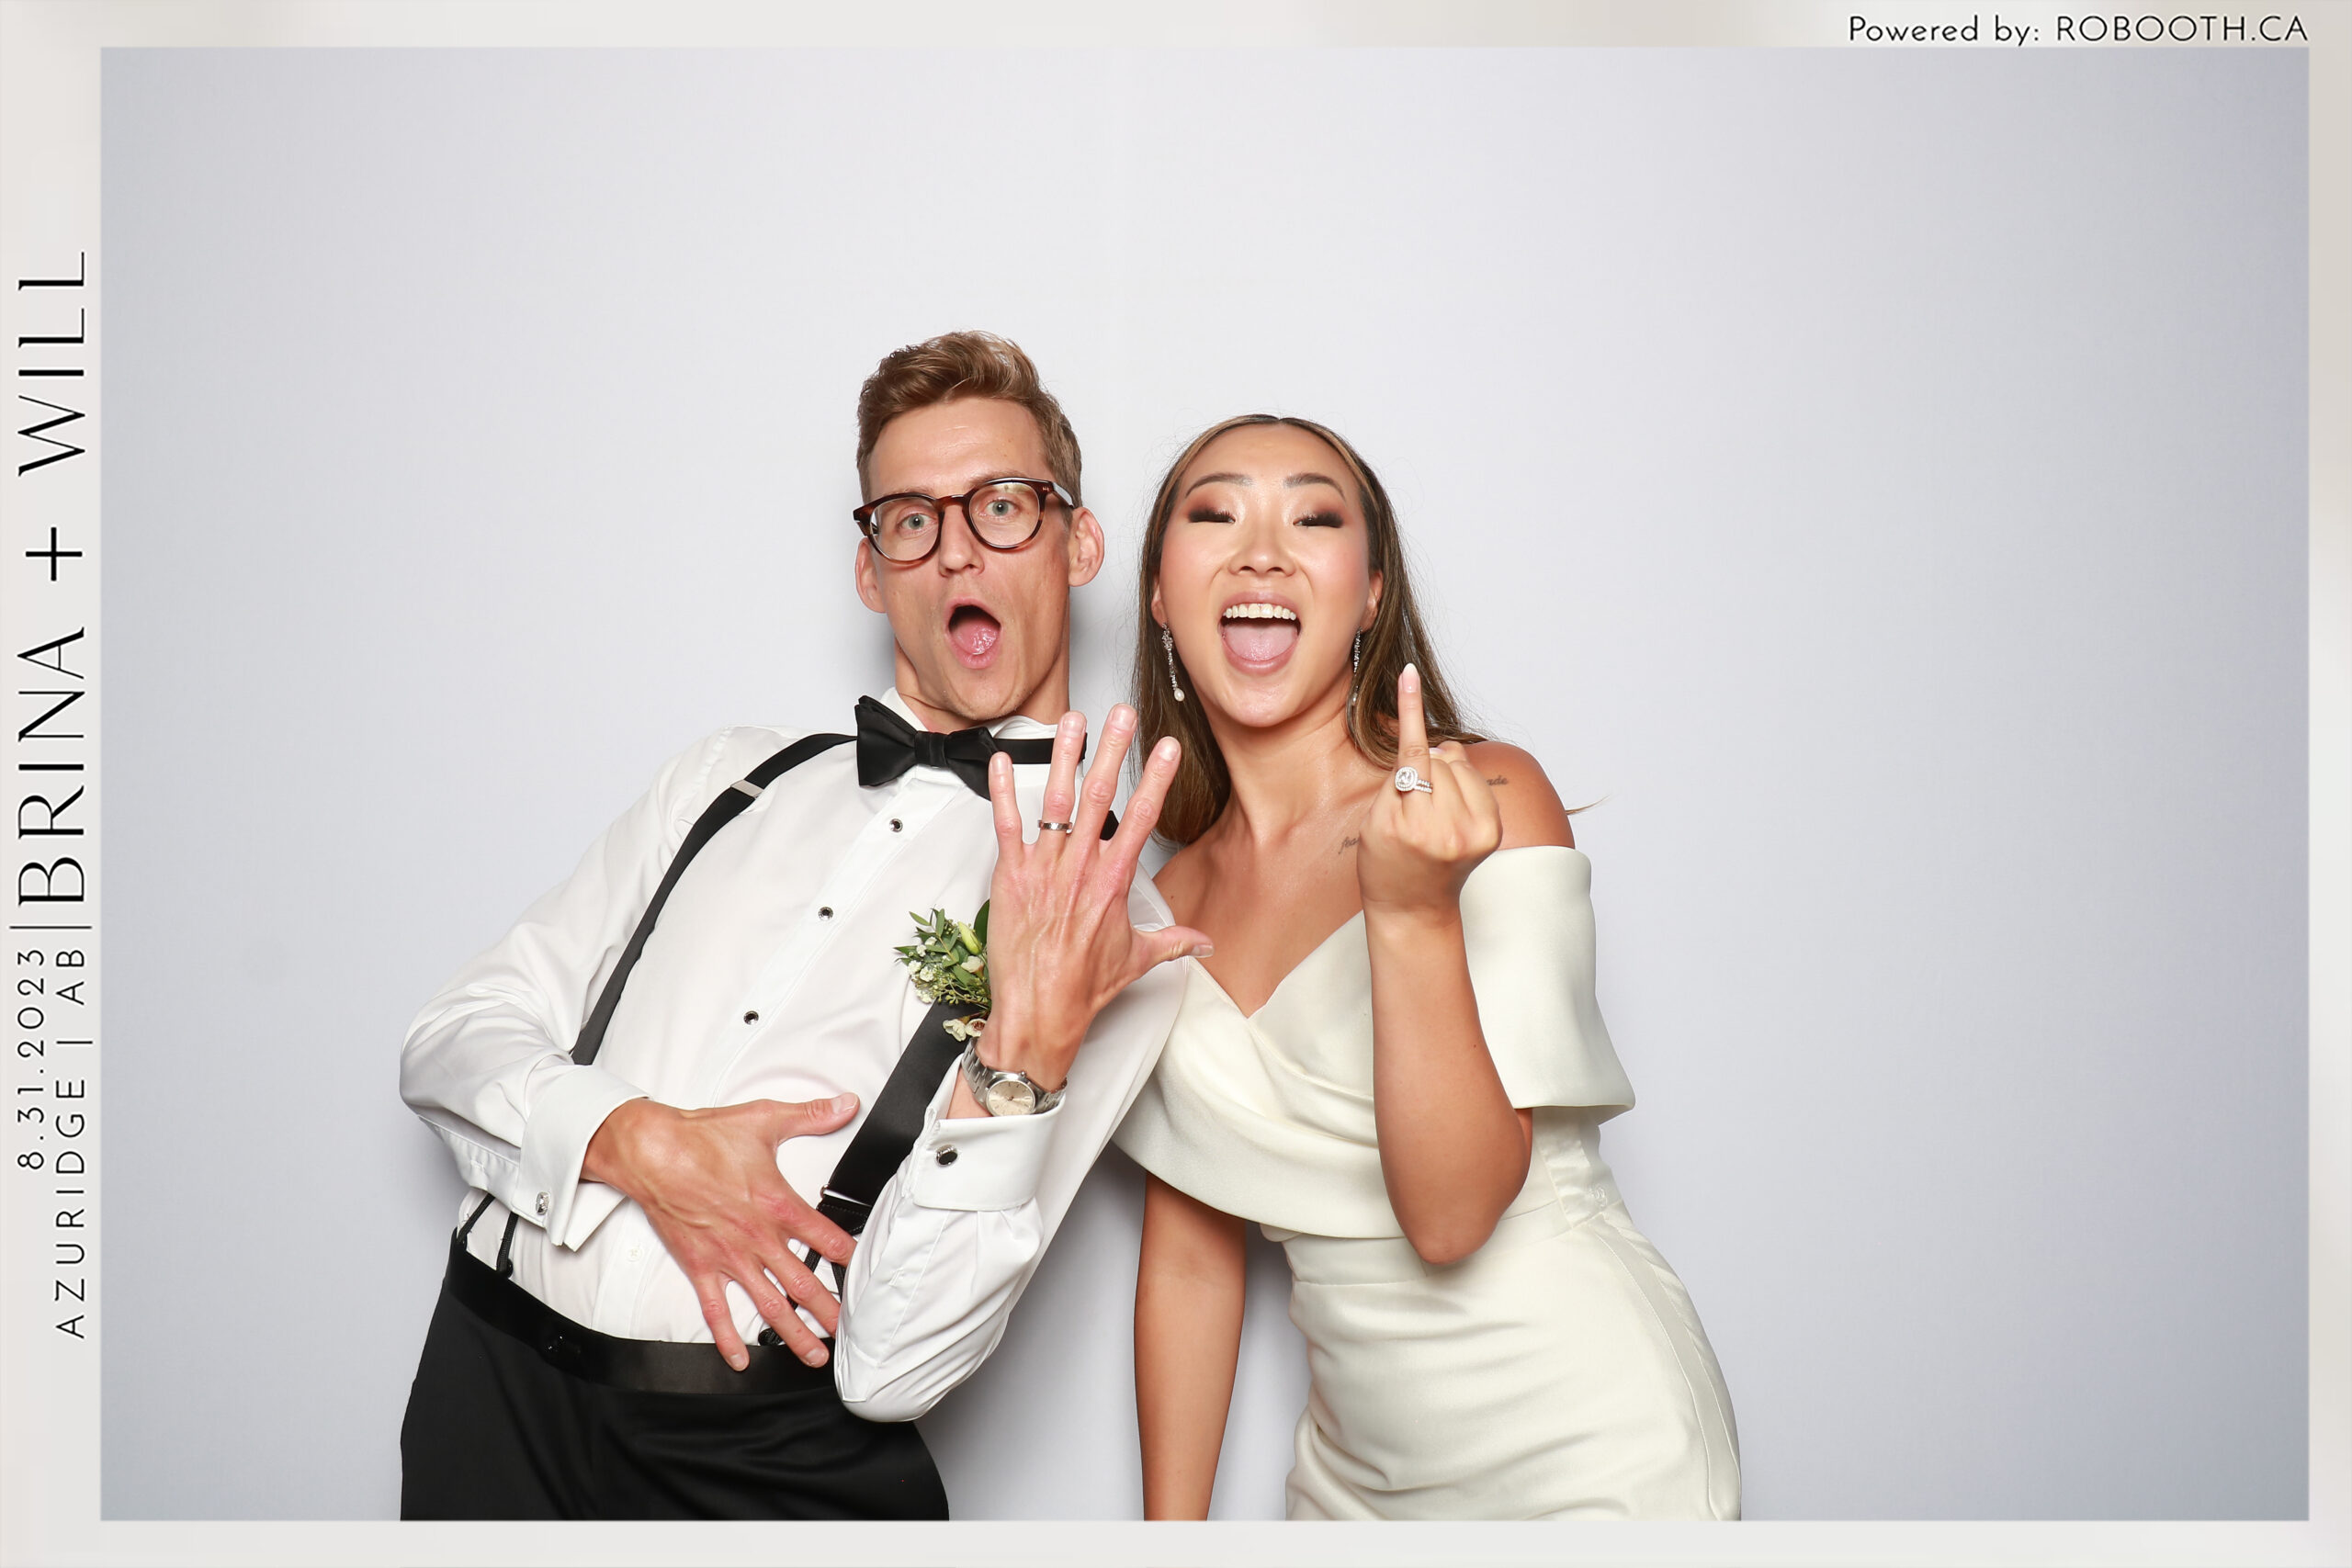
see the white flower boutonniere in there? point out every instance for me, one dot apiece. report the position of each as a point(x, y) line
point(949, 963)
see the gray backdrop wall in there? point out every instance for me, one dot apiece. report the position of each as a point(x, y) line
point(1877, 478)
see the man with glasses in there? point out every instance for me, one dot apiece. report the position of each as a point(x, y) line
point(696, 1081)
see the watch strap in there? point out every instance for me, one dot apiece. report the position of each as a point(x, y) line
point(981, 1077)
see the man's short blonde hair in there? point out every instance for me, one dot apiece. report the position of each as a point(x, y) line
point(964, 365)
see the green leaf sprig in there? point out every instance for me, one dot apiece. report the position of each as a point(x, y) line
point(949, 963)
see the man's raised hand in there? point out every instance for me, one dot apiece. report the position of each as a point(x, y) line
point(1060, 946)
point(707, 1181)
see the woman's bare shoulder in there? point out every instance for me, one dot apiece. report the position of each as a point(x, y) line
point(1531, 806)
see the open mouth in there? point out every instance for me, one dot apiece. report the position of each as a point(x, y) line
point(1258, 636)
point(973, 633)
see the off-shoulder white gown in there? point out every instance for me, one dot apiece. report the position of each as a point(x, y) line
point(1558, 1371)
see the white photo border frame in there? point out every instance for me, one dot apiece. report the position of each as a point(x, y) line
point(49, 81)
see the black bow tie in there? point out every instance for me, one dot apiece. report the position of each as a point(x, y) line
point(887, 746)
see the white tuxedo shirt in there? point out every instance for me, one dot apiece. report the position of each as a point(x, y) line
point(770, 975)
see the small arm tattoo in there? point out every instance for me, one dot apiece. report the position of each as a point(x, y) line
point(1498, 779)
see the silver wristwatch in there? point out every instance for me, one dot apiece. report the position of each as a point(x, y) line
point(1005, 1094)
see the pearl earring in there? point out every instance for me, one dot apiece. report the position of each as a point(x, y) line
point(1167, 646)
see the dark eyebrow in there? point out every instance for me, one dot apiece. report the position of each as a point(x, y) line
point(1219, 478)
point(1297, 480)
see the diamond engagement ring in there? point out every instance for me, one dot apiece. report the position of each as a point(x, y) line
point(1409, 780)
point(1057, 827)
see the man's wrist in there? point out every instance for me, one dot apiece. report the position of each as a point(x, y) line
point(611, 1156)
point(1010, 1046)
point(962, 1104)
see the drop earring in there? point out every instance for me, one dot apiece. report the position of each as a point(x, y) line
point(1167, 646)
point(1355, 667)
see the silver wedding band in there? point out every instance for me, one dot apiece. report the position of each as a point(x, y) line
point(1409, 780)
point(1046, 826)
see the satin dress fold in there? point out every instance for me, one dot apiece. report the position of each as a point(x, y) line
point(1559, 1371)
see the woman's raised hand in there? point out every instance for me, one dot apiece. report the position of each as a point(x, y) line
point(1420, 845)
point(1059, 942)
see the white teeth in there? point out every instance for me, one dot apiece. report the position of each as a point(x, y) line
point(1259, 612)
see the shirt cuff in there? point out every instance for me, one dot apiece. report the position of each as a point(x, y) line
point(564, 1118)
point(977, 1163)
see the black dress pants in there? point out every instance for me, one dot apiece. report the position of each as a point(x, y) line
point(495, 1431)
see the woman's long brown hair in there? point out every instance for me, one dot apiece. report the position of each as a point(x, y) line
point(1395, 639)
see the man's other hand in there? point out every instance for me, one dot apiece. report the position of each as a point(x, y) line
point(708, 1182)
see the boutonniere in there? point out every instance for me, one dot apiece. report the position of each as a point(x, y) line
point(949, 963)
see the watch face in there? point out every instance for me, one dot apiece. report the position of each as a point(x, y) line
point(1011, 1097)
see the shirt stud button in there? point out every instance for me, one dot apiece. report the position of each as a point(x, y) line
point(946, 1155)
point(897, 826)
point(750, 1018)
point(825, 912)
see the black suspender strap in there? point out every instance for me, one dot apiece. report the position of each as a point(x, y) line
point(891, 1126)
point(893, 1122)
point(506, 1246)
point(506, 1243)
point(717, 814)
point(468, 1225)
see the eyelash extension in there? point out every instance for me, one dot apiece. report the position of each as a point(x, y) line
point(1313, 520)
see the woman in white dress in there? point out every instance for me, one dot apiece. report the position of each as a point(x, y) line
point(1392, 1060)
